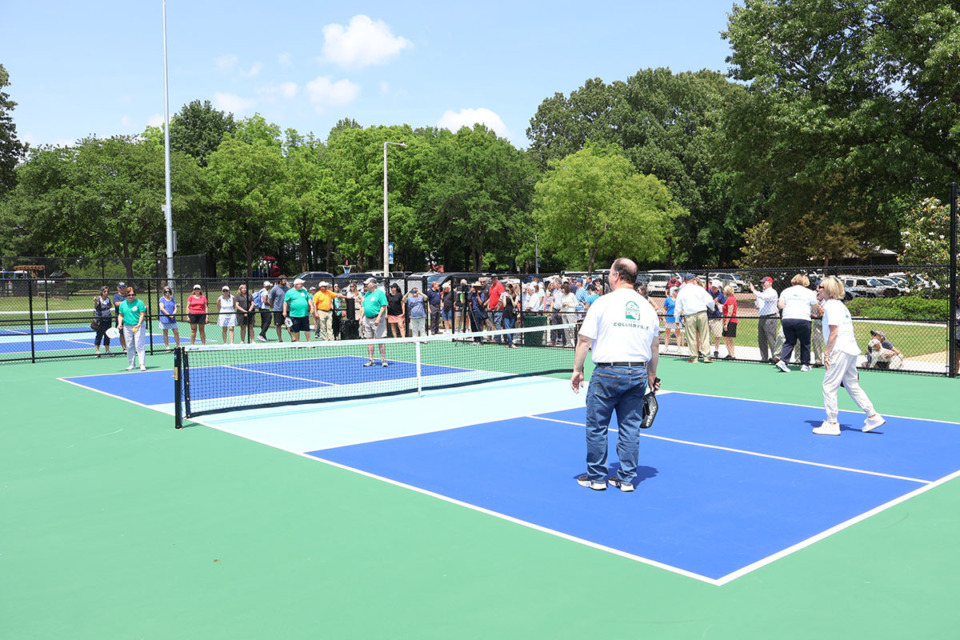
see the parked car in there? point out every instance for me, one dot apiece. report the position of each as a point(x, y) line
point(729, 279)
point(901, 287)
point(657, 282)
point(859, 286)
point(359, 277)
point(312, 278)
point(454, 277)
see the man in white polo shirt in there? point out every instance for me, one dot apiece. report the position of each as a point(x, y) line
point(623, 330)
point(693, 301)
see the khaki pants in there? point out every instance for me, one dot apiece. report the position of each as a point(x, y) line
point(698, 334)
point(325, 324)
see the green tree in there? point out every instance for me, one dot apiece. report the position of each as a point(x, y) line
point(926, 234)
point(198, 129)
point(11, 149)
point(475, 198)
point(247, 181)
point(308, 200)
point(101, 197)
point(669, 126)
point(592, 206)
point(853, 109)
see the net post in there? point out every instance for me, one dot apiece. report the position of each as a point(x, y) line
point(185, 381)
point(416, 346)
point(177, 395)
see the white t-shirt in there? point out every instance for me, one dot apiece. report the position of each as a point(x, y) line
point(622, 325)
point(797, 301)
point(766, 302)
point(836, 313)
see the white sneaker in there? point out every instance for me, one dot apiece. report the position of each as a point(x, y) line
point(871, 423)
point(783, 366)
point(805, 368)
point(827, 429)
point(143, 368)
point(130, 368)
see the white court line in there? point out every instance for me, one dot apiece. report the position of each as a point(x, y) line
point(111, 395)
point(752, 453)
point(473, 507)
point(279, 375)
point(811, 406)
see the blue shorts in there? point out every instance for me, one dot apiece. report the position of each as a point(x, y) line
point(447, 315)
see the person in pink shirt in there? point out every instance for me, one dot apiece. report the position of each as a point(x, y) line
point(197, 312)
point(729, 321)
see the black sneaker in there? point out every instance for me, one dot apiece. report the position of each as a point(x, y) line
point(596, 485)
point(614, 481)
point(716, 354)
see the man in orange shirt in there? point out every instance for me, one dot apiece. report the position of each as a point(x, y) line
point(323, 302)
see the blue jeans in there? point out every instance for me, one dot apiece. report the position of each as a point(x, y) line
point(620, 388)
point(498, 322)
point(509, 323)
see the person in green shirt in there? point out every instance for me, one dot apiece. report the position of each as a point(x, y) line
point(130, 315)
point(298, 306)
point(374, 326)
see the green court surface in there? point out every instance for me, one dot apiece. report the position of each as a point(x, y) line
point(114, 525)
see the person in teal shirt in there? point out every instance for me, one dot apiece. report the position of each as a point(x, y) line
point(298, 306)
point(374, 326)
point(130, 316)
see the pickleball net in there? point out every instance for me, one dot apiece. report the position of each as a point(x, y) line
point(220, 379)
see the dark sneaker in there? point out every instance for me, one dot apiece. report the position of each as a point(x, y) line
point(596, 485)
point(620, 484)
point(384, 363)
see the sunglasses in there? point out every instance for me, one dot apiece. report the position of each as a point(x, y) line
point(131, 295)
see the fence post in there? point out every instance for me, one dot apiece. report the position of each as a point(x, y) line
point(952, 320)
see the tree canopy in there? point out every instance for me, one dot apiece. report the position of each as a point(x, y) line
point(11, 149)
point(593, 206)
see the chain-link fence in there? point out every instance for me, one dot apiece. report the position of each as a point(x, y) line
point(903, 315)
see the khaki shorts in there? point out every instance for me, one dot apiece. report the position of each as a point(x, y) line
point(372, 330)
point(716, 327)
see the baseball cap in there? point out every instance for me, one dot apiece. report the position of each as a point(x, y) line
point(298, 281)
point(878, 334)
point(323, 283)
point(767, 279)
point(715, 283)
point(196, 286)
point(672, 289)
point(370, 281)
point(266, 283)
point(689, 276)
point(121, 284)
point(224, 288)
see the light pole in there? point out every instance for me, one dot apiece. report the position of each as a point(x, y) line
point(386, 218)
point(167, 209)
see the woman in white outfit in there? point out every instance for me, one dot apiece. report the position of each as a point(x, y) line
point(840, 360)
point(568, 312)
point(227, 318)
point(130, 316)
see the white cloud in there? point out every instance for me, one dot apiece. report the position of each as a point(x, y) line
point(232, 103)
point(454, 121)
point(325, 93)
point(362, 43)
point(254, 70)
point(284, 90)
point(156, 120)
point(227, 62)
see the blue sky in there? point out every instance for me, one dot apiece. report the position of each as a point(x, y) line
point(96, 67)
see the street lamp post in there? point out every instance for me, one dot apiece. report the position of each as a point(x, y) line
point(386, 218)
point(167, 209)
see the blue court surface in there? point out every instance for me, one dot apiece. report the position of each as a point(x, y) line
point(64, 342)
point(725, 485)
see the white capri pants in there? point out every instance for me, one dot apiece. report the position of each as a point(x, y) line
point(843, 368)
point(135, 343)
